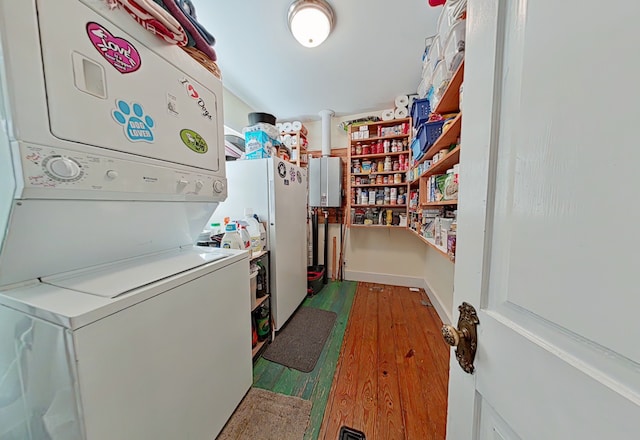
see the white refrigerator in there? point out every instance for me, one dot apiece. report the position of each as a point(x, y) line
point(277, 193)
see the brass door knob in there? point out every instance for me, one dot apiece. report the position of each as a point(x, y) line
point(464, 338)
point(451, 335)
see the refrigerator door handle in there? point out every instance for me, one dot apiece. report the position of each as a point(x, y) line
point(272, 207)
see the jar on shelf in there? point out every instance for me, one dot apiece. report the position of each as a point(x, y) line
point(388, 165)
point(396, 165)
point(380, 166)
point(379, 179)
point(366, 149)
point(358, 180)
point(393, 196)
point(397, 178)
point(358, 149)
point(356, 166)
point(386, 145)
point(385, 180)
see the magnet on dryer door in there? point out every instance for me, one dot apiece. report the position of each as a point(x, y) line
point(137, 126)
point(194, 141)
point(121, 54)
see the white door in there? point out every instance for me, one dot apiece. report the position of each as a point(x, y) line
point(548, 222)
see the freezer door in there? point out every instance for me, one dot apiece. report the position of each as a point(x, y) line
point(288, 236)
point(114, 85)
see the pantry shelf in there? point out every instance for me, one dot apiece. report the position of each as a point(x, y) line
point(379, 155)
point(445, 140)
point(450, 101)
point(375, 173)
point(258, 255)
point(258, 347)
point(432, 243)
point(379, 184)
point(353, 225)
point(440, 203)
point(378, 206)
point(442, 165)
point(260, 301)
point(382, 138)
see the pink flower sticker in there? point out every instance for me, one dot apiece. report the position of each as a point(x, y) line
point(117, 51)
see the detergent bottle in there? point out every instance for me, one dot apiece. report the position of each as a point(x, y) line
point(244, 234)
point(231, 238)
point(253, 227)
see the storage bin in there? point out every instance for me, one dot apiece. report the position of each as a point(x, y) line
point(428, 133)
point(314, 279)
point(435, 51)
point(441, 78)
point(416, 150)
point(454, 46)
point(420, 110)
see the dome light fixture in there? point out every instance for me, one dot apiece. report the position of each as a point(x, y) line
point(311, 21)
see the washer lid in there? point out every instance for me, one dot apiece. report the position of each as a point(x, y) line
point(112, 280)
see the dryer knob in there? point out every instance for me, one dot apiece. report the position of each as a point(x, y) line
point(199, 185)
point(63, 168)
point(218, 186)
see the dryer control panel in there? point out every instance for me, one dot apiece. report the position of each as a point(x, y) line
point(47, 169)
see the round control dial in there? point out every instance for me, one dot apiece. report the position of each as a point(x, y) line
point(218, 186)
point(62, 168)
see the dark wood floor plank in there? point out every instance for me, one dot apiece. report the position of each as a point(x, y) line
point(429, 352)
point(389, 422)
point(366, 397)
point(414, 417)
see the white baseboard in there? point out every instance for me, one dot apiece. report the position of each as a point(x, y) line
point(443, 313)
point(383, 278)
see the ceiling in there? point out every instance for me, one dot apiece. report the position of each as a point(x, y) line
point(372, 55)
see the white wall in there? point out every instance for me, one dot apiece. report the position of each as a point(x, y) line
point(235, 111)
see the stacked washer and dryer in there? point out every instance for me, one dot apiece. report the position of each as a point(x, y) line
point(112, 324)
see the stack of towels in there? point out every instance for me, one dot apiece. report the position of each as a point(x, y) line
point(174, 21)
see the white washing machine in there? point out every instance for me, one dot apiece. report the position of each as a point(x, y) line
point(112, 324)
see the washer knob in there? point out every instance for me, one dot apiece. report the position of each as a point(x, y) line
point(63, 168)
point(112, 174)
point(218, 186)
point(199, 185)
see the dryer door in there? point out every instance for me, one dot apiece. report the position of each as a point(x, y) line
point(114, 85)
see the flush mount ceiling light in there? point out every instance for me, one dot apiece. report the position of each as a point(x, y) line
point(311, 21)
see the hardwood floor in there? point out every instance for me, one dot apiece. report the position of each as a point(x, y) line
point(392, 375)
point(390, 364)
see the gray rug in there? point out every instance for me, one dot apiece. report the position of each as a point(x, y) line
point(266, 415)
point(301, 341)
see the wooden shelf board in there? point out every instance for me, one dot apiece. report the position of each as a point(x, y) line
point(450, 101)
point(378, 184)
point(381, 138)
point(377, 226)
point(442, 165)
point(431, 243)
point(379, 206)
point(441, 203)
point(380, 155)
point(293, 133)
point(258, 347)
point(376, 123)
point(260, 301)
point(376, 173)
point(445, 140)
point(258, 255)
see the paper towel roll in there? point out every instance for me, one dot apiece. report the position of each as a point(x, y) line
point(287, 140)
point(401, 112)
point(286, 127)
point(296, 125)
point(294, 141)
point(402, 101)
point(388, 114)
